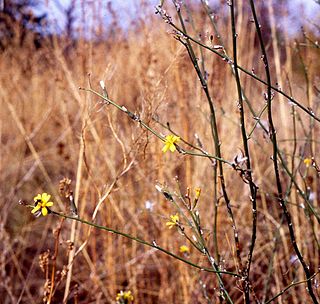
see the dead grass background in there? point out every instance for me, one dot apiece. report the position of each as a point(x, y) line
point(50, 130)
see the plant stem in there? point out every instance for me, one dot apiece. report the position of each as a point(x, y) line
point(138, 240)
point(215, 134)
point(273, 137)
point(252, 186)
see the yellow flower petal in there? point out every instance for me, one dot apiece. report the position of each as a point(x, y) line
point(170, 142)
point(174, 221)
point(198, 192)
point(38, 197)
point(184, 249)
point(125, 296)
point(172, 148)
point(36, 208)
point(307, 162)
point(44, 211)
point(42, 201)
point(45, 197)
point(174, 218)
point(165, 148)
point(170, 224)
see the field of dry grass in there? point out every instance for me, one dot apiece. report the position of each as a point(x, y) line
point(51, 130)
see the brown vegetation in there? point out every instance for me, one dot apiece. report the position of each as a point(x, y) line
point(50, 129)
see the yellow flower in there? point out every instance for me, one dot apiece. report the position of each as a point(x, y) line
point(307, 162)
point(124, 297)
point(184, 249)
point(174, 221)
point(170, 142)
point(41, 204)
point(198, 192)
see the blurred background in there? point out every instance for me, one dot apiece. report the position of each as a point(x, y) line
point(51, 130)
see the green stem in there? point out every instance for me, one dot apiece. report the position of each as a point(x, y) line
point(135, 117)
point(136, 239)
point(215, 134)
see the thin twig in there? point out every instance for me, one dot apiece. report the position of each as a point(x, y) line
point(290, 286)
point(136, 239)
point(214, 131)
point(248, 173)
point(273, 137)
point(251, 74)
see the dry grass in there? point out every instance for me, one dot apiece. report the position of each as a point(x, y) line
point(50, 130)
